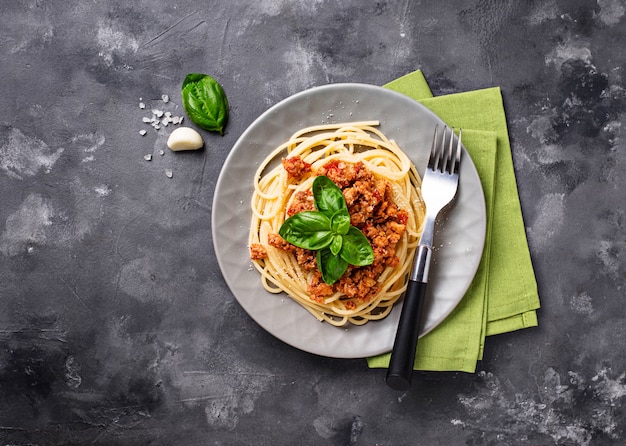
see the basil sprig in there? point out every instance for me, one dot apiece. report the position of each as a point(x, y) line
point(205, 102)
point(328, 231)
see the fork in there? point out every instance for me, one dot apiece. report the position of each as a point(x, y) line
point(439, 187)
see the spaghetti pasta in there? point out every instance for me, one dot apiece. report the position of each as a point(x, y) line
point(382, 190)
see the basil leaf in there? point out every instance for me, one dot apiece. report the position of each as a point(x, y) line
point(356, 249)
point(328, 232)
point(308, 230)
point(327, 195)
point(331, 266)
point(335, 245)
point(340, 222)
point(205, 102)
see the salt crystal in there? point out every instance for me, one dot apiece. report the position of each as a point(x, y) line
point(144, 119)
point(169, 173)
point(142, 132)
point(165, 98)
point(142, 105)
point(157, 113)
point(161, 152)
point(147, 157)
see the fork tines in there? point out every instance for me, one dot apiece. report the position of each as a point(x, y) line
point(441, 159)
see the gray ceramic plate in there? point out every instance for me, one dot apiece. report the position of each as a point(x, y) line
point(459, 239)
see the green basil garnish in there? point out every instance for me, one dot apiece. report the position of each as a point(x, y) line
point(331, 266)
point(328, 231)
point(328, 197)
point(356, 249)
point(336, 244)
point(340, 222)
point(308, 230)
point(205, 102)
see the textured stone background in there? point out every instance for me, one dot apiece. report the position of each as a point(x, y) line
point(115, 324)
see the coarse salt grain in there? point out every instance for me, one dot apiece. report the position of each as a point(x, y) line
point(148, 157)
point(169, 173)
point(159, 118)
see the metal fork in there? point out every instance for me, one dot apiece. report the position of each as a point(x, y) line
point(439, 186)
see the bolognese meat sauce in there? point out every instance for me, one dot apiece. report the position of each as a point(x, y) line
point(372, 210)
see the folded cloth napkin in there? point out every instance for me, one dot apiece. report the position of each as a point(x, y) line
point(503, 295)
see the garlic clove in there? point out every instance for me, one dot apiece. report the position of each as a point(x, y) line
point(184, 138)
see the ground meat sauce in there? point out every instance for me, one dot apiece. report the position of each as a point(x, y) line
point(296, 167)
point(257, 251)
point(372, 210)
point(302, 201)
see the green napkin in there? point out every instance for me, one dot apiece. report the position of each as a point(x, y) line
point(503, 295)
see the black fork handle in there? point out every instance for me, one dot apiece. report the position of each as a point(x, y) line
point(403, 354)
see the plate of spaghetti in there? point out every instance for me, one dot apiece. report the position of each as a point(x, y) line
point(324, 268)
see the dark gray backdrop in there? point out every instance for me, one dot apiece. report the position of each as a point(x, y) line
point(115, 324)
